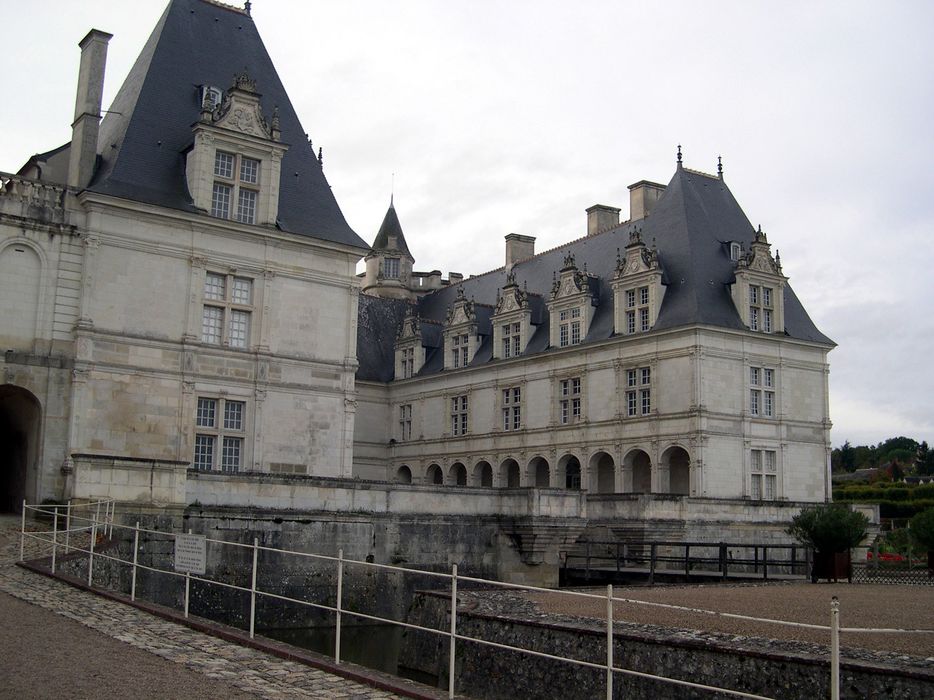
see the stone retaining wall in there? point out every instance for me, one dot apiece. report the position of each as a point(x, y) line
point(491, 673)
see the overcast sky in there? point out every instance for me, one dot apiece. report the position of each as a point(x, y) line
point(500, 117)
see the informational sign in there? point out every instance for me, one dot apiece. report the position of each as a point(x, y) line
point(190, 554)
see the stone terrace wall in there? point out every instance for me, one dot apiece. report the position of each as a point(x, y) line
point(491, 673)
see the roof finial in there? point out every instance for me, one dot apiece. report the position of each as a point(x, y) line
point(720, 167)
point(392, 189)
point(246, 8)
point(679, 155)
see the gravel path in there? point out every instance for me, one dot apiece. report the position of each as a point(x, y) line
point(860, 606)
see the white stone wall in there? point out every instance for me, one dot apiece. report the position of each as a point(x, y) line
point(699, 385)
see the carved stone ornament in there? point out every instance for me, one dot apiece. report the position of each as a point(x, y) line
point(410, 328)
point(512, 298)
point(462, 310)
point(638, 258)
point(571, 280)
point(759, 257)
point(241, 111)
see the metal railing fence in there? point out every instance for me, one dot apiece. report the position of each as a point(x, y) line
point(689, 558)
point(95, 523)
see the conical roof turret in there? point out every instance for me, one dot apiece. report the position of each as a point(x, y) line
point(390, 236)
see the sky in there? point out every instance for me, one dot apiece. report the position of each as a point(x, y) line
point(513, 116)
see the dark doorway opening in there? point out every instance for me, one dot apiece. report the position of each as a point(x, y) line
point(19, 443)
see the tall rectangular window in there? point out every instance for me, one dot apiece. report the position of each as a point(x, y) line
point(512, 408)
point(760, 308)
point(405, 422)
point(569, 330)
point(459, 415)
point(236, 180)
point(226, 314)
point(763, 475)
point(762, 392)
point(639, 391)
point(408, 363)
point(460, 356)
point(569, 403)
point(219, 422)
point(637, 314)
point(391, 268)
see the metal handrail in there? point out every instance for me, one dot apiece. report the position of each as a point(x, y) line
point(107, 524)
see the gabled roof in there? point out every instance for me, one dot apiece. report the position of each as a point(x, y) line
point(149, 125)
point(692, 224)
point(391, 227)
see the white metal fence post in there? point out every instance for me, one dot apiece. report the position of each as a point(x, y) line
point(135, 559)
point(188, 588)
point(609, 642)
point(22, 534)
point(91, 551)
point(834, 649)
point(253, 588)
point(68, 526)
point(54, 538)
point(453, 630)
point(340, 591)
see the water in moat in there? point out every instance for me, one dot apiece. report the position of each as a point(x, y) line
point(373, 646)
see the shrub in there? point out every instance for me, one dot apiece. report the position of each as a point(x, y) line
point(922, 529)
point(828, 529)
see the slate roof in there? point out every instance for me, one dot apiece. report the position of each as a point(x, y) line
point(149, 125)
point(692, 226)
point(391, 227)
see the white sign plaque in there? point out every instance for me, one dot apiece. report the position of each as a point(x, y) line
point(190, 554)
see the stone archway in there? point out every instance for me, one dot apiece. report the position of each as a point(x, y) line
point(678, 461)
point(434, 475)
point(20, 420)
point(569, 472)
point(482, 474)
point(602, 473)
point(641, 465)
point(403, 475)
point(539, 473)
point(457, 474)
point(509, 474)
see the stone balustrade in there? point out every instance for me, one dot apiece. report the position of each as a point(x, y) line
point(22, 196)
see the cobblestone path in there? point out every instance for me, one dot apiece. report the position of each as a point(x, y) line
point(225, 670)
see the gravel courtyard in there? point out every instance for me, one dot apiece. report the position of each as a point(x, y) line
point(860, 606)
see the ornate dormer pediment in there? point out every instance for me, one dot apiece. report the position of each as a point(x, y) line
point(512, 297)
point(241, 111)
point(461, 311)
point(759, 258)
point(638, 257)
point(410, 329)
point(571, 280)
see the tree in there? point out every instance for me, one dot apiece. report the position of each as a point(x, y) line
point(922, 529)
point(829, 529)
point(924, 464)
point(847, 457)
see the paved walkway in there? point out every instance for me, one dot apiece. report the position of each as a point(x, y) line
point(71, 643)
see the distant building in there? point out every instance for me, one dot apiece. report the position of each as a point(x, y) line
point(180, 296)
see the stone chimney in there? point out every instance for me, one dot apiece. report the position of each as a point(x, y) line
point(600, 218)
point(642, 198)
point(84, 129)
point(455, 277)
point(519, 247)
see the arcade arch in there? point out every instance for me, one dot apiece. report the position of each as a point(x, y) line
point(20, 414)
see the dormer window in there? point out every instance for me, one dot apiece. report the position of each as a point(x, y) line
point(637, 288)
point(391, 268)
point(760, 308)
point(569, 332)
point(241, 189)
point(758, 290)
point(211, 97)
point(735, 251)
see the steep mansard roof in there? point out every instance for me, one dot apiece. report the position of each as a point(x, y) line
point(692, 225)
point(149, 125)
point(391, 227)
